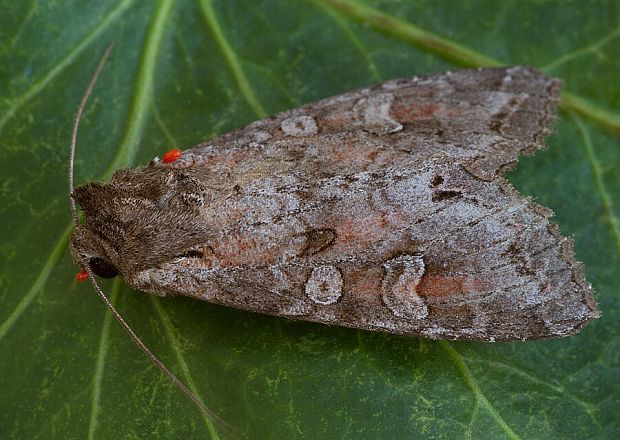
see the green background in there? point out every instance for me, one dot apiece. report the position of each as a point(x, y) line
point(181, 72)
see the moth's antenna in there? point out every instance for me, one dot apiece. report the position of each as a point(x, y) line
point(76, 124)
point(134, 337)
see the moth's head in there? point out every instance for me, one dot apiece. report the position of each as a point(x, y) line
point(139, 222)
point(98, 240)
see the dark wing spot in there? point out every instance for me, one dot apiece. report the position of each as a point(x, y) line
point(192, 254)
point(438, 196)
point(318, 240)
point(436, 180)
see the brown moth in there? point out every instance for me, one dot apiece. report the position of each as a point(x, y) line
point(382, 209)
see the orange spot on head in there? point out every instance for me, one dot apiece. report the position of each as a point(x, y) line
point(172, 155)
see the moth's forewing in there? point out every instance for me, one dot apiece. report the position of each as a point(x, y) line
point(430, 251)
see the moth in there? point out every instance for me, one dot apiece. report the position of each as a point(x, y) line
point(382, 209)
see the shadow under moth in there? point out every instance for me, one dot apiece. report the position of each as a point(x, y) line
point(382, 209)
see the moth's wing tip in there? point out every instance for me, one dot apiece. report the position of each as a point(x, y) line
point(567, 249)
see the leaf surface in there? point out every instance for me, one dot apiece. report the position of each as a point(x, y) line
point(182, 72)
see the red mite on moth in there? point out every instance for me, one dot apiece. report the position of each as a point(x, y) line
point(382, 209)
point(171, 156)
point(81, 276)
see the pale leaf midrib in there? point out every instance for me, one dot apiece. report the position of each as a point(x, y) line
point(231, 58)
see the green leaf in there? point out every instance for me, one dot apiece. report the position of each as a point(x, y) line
point(181, 72)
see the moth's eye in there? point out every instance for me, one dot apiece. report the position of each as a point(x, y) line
point(102, 268)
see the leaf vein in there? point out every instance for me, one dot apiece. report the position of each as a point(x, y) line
point(39, 282)
point(591, 49)
point(372, 67)
point(176, 348)
point(102, 352)
point(597, 172)
point(472, 421)
point(457, 53)
point(19, 101)
point(589, 408)
point(457, 359)
point(231, 58)
point(144, 87)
